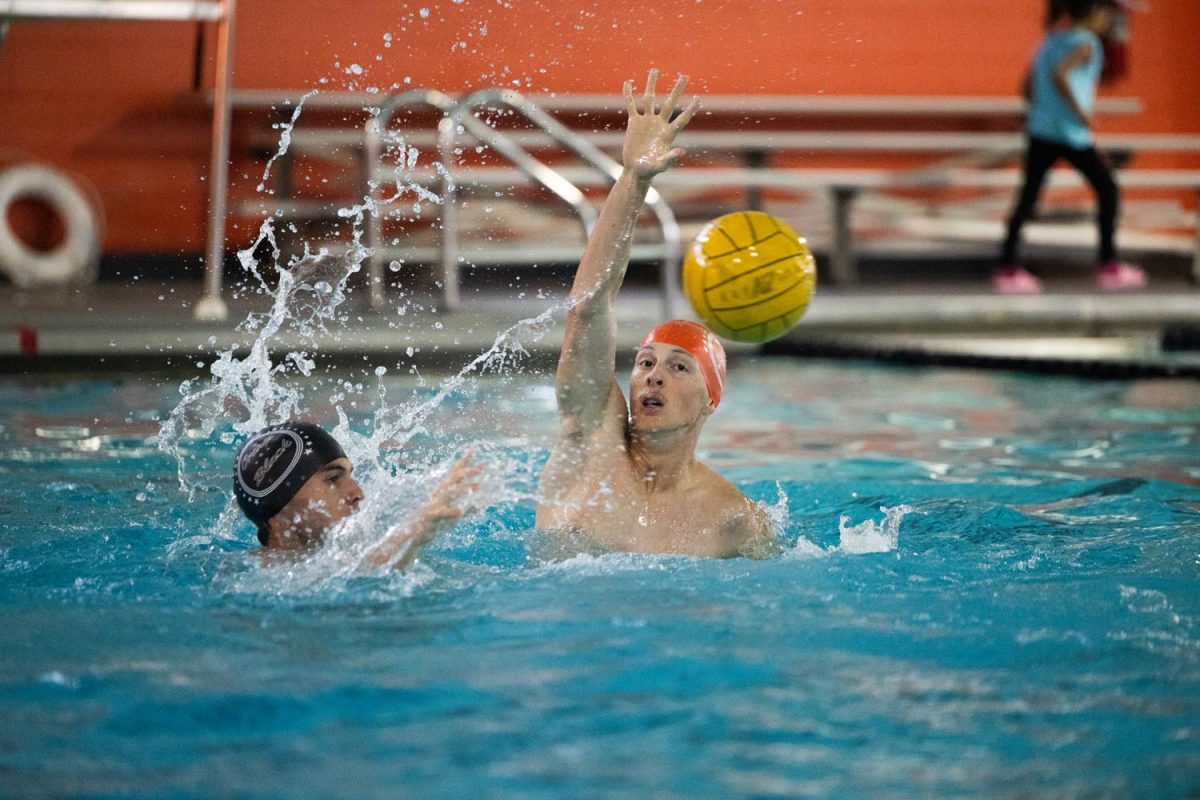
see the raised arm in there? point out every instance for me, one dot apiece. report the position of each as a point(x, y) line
point(585, 383)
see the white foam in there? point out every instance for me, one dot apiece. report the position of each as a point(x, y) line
point(870, 536)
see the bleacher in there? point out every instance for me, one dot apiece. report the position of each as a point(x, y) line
point(884, 175)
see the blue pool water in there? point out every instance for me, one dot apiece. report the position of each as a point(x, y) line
point(1024, 621)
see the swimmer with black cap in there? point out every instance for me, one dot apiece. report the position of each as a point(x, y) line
point(625, 476)
point(295, 483)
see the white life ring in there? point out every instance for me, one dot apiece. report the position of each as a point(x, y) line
point(76, 258)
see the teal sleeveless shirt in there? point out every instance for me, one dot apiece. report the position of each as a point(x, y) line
point(1049, 115)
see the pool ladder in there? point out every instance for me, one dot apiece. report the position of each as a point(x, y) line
point(458, 120)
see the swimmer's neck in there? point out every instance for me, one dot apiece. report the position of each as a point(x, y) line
point(663, 459)
point(284, 539)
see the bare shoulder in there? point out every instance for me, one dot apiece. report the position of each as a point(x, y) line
point(744, 525)
point(717, 486)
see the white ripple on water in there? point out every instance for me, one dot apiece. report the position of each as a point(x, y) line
point(1165, 629)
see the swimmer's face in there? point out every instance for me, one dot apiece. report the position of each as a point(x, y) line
point(667, 387)
point(325, 499)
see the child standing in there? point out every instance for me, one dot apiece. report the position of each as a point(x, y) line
point(1061, 89)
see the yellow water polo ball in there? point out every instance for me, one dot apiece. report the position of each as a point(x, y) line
point(749, 276)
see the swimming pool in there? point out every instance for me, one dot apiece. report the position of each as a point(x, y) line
point(1024, 621)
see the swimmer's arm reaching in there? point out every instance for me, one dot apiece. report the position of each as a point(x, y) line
point(447, 504)
point(584, 383)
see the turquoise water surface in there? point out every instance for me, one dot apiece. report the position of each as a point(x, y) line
point(1023, 620)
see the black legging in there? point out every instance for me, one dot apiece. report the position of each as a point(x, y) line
point(1039, 157)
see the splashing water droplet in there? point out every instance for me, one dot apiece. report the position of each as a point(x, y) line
point(278, 378)
point(870, 536)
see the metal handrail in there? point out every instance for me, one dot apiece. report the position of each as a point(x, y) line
point(592, 155)
point(531, 167)
point(460, 118)
point(154, 10)
point(376, 133)
point(457, 116)
point(211, 305)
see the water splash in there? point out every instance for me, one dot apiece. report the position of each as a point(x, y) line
point(285, 138)
point(397, 425)
point(870, 536)
point(777, 512)
point(252, 391)
point(278, 377)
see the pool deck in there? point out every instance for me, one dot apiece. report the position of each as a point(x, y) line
point(149, 325)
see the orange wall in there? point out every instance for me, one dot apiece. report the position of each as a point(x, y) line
point(114, 104)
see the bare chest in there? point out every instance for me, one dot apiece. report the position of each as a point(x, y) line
point(613, 505)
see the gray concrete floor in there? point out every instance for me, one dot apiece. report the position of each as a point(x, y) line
point(149, 324)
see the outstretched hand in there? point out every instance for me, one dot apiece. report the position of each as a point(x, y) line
point(449, 502)
point(450, 499)
point(651, 132)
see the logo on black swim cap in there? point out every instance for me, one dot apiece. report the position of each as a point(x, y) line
point(265, 454)
point(275, 462)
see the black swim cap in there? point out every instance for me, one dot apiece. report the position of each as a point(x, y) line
point(275, 462)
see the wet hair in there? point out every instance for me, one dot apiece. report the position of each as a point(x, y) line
point(1054, 12)
point(274, 463)
point(1078, 9)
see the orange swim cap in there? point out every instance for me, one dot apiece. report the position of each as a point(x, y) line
point(702, 344)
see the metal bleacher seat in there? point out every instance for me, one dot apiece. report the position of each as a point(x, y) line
point(739, 156)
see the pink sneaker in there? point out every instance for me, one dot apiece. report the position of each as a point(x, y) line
point(1117, 276)
point(1015, 280)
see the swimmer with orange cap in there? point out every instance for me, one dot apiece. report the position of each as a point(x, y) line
point(625, 475)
